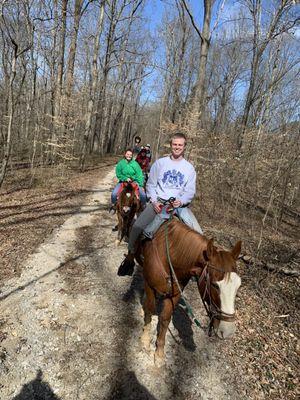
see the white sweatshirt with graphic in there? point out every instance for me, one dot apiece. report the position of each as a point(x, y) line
point(169, 178)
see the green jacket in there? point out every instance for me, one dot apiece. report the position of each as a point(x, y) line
point(131, 169)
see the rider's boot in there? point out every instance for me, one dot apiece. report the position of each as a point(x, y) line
point(112, 209)
point(127, 265)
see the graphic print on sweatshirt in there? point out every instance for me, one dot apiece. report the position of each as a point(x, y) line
point(173, 179)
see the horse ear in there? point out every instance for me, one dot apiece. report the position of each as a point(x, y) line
point(236, 250)
point(210, 248)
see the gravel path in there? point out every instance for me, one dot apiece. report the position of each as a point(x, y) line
point(71, 326)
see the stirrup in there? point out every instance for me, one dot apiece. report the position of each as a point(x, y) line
point(112, 209)
point(126, 267)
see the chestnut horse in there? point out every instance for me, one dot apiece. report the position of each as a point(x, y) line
point(176, 246)
point(128, 204)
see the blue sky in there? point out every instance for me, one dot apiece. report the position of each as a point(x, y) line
point(154, 11)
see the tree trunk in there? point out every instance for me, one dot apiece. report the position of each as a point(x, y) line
point(200, 93)
point(59, 77)
point(11, 111)
point(88, 124)
point(71, 64)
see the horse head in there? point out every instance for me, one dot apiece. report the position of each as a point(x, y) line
point(128, 199)
point(128, 205)
point(218, 284)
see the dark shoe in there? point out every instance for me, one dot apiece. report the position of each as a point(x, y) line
point(115, 228)
point(112, 209)
point(127, 266)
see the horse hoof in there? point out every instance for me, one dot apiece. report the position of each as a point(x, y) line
point(159, 361)
point(118, 242)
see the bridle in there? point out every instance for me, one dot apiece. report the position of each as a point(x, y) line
point(212, 309)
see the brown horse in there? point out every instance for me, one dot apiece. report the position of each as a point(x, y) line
point(128, 205)
point(190, 254)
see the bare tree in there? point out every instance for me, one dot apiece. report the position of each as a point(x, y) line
point(61, 25)
point(281, 21)
point(77, 13)
point(94, 80)
point(14, 36)
point(205, 39)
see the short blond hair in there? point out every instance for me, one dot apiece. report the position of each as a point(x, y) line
point(178, 135)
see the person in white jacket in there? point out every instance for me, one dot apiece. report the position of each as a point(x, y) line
point(171, 176)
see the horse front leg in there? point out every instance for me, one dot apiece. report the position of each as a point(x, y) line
point(129, 225)
point(149, 310)
point(120, 228)
point(169, 305)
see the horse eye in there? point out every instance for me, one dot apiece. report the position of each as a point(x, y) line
point(215, 285)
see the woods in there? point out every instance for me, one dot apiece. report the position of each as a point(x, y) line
point(59, 57)
point(79, 79)
point(232, 72)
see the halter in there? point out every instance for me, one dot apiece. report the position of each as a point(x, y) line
point(212, 310)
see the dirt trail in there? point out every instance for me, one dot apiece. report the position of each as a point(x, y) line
point(71, 327)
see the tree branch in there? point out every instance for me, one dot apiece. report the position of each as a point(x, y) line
point(192, 19)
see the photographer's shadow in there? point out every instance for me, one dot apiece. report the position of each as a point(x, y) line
point(37, 389)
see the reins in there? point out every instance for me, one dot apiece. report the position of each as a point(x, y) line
point(187, 306)
point(212, 310)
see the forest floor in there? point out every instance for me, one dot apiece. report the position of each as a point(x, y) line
point(70, 327)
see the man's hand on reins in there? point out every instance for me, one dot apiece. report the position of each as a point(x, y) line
point(176, 203)
point(157, 206)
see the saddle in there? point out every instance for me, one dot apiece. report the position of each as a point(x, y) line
point(159, 219)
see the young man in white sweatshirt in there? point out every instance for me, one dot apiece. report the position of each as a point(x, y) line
point(171, 176)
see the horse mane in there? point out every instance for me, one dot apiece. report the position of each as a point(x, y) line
point(186, 245)
point(126, 189)
point(188, 248)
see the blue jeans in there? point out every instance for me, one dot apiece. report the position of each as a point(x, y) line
point(189, 218)
point(114, 194)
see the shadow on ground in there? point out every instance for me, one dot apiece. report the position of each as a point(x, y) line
point(126, 386)
point(37, 389)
